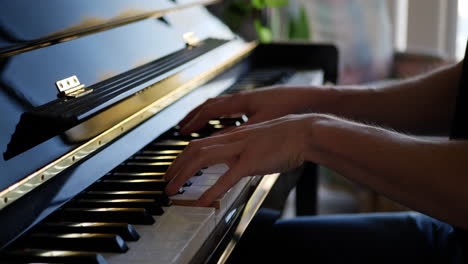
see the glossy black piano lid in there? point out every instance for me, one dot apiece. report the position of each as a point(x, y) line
point(28, 79)
point(24, 23)
point(53, 16)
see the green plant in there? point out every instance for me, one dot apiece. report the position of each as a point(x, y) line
point(239, 11)
point(299, 25)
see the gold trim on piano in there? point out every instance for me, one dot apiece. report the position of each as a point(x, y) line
point(30, 182)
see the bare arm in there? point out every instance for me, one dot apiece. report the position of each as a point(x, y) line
point(428, 176)
point(423, 104)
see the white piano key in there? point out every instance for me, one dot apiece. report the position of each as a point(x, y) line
point(180, 232)
point(222, 204)
point(174, 238)
point(216, 169)
point(206, 179)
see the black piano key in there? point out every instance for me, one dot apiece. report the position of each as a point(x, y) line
point(75, 242)
point(124, 230)
point(211, 127)
point(167, 145)
point(175, 135)
point(134, 185)
point(173, 130)
point(134, 175)
point(159, 196)
point(159, 152)
point(219, 127)
point(112, 215)
point(149, 204)
point(149, 158)
point(233, 121)
point(136, 166)
point(51, 256)
point(187, 184)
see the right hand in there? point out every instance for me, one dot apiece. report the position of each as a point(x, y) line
point(268, 147)
point(258, 105)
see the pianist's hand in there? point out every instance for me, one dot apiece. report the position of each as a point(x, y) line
point(272, 146)
point(259, 105)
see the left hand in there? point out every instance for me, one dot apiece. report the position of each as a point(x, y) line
point(268, 147)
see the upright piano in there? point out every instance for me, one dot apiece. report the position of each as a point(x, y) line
point(90, 95)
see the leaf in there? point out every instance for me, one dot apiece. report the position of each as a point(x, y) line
point(299, 26)
point(236, 13)
point(275, 3)
point(264, 34)
point(261, 4)
point(258, 4)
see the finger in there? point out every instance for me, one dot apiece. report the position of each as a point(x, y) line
point(218, 108)
point(208, 156)
point(190, 156)
point(224, 183)
point(253, 120)
point(223, 131)
point(257, 125)
point(192, 113)
point(191, 152)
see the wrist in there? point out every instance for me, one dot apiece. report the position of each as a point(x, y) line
point(317, 99)
point(315, 137)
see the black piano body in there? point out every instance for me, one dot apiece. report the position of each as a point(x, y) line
point(85, 85)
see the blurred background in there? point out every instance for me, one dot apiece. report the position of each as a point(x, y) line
point(378, 41)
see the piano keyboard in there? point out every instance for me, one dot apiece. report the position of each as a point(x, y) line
point(125, 217)
point(127, 211)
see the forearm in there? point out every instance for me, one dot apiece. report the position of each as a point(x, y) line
point(427, 176)
point(423, 104)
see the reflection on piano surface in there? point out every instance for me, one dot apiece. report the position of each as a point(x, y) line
point(82, 173)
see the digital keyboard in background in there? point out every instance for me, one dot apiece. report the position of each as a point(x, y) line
point(82, 176)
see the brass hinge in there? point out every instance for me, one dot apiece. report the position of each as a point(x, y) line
point(191, 39)
point(71, 87)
